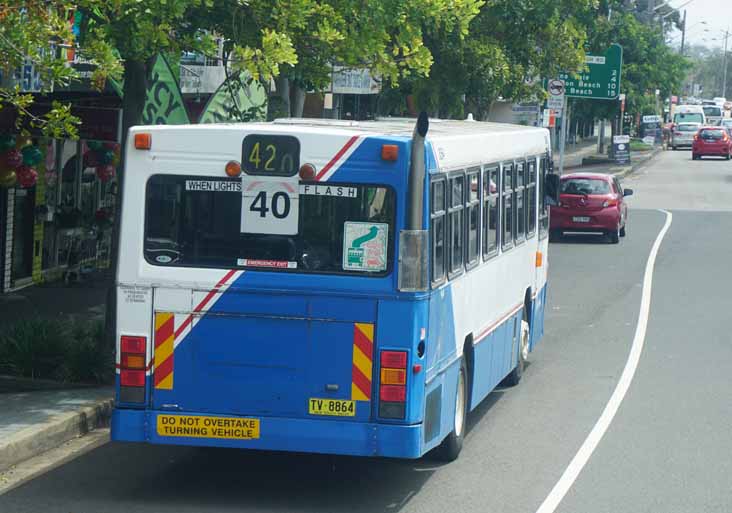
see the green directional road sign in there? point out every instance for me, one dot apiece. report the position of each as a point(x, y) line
point(602, 79)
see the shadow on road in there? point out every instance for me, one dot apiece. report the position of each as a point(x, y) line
point(134, 477)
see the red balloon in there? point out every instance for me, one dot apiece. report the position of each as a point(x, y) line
point(13, 158)
point(91, 159)
point(27, 176)
point(105, 173)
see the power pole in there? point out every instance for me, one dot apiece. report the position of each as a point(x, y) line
point(724, 79)
point(683, 33)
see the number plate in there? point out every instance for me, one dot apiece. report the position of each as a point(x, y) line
point(270, 206)
point(581, 219)
point(334, 407)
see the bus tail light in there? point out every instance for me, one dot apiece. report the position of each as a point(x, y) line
point(393, 385)
point(413, 249)
point(132, 369)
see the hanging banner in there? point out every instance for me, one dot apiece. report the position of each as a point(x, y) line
point(238, 99)
point(164, 103)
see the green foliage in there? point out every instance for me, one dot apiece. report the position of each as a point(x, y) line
point(503, 52)
point(70, 351)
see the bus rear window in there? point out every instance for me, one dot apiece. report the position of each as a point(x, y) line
point(200, 227)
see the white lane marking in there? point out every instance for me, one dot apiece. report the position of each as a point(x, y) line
point(598, 431)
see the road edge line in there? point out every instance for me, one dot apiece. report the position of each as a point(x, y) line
point(611, 408)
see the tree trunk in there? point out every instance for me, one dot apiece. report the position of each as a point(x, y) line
point(133, 103)
point(298, 101)
point(283, 91)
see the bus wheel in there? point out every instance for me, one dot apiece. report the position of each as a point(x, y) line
point(453, 443)
point(514, 378)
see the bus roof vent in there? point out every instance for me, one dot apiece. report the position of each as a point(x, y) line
point(315, 122)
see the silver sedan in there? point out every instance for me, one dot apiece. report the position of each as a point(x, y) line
point(683, 134)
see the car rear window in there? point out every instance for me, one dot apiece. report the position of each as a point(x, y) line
point(712, 134)
point(688, 128)
point(200, 227)
point(585, 186)
point(688, 117)
point(712, 111)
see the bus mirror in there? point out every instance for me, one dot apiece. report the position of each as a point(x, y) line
point(551, 187)
point(413, 263)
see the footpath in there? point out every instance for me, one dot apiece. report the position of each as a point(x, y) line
point(39, 415)
point(577, 157)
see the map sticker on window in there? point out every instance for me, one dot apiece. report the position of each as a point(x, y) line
point(365, 246)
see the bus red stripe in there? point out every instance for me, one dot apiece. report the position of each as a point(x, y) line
point(163, 370)
point(205, 300)
point(363, 343)
point(361, 381)
point(335, 159)
point(165, 331)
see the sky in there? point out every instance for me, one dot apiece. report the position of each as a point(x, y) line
point(717, 15)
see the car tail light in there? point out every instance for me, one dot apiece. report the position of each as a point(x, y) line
point(133, 352)
point(393, 384)
point(610, 203)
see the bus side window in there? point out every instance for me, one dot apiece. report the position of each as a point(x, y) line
point(507, 202)
point(472, 206)
point(491, 179)
point(437, 230)
point(543, 207)
point(531, 198)
point(456, 223)
point(520, 200)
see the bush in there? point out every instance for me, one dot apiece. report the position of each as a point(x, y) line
point(71, 351)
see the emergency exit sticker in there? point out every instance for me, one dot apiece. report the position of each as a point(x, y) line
point(365, 246)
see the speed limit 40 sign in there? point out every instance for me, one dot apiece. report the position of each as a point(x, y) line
point(270, 206)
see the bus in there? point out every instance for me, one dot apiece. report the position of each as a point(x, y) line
point(350, 288)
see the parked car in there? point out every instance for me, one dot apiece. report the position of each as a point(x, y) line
point(590, 202)
point(711, 141)
point(683, 135)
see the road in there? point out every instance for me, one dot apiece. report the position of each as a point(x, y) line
point(667, 449)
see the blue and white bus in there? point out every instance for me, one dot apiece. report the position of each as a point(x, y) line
point(325, 286)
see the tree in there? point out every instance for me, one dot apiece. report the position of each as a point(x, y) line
point(509, 46)
point(384, 36)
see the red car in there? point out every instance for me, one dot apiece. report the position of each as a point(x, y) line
point(711, 140)
point(590, 202)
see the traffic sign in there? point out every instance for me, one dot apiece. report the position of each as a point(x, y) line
point(601, 81)
point(555, 102)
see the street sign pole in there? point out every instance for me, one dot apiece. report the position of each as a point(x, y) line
point(563, 138)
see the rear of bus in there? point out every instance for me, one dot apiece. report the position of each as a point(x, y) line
point(259, 308)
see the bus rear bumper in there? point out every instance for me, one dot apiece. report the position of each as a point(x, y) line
point(283, 434)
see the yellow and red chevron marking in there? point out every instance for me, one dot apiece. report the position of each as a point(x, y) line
point(164, 346)
point(363, 357)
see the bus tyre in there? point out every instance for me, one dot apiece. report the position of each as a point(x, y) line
point(514, 378)
point(451, 446)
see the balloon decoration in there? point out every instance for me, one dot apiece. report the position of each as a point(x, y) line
point(18, 155)
point(104, 157)
point(31, 155)
point(27, 176)
point(6, 142)
point(13, 158)
point(106, 172)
